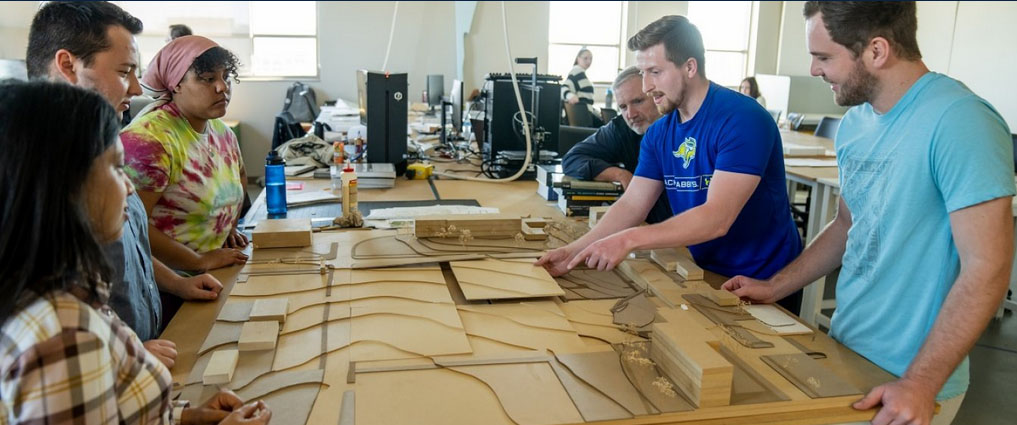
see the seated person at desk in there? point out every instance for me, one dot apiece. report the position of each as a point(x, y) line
point(66, 356)
point(578, 88)
point(717, 155)
point(597, 157)
point(750, 88)
point(61, 35)
point(185, 161)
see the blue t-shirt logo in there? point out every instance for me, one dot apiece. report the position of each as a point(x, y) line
point(686, 151)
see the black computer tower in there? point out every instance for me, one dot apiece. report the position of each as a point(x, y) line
point(383, 108)
point(500, 108)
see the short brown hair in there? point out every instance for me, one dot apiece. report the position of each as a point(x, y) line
point(853, 24)
point(681, 39)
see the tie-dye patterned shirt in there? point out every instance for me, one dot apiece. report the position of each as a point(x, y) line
point(197, 174)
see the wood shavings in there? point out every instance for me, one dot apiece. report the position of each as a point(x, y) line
point(664, 386)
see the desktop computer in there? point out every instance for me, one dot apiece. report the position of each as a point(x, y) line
point(383, 108)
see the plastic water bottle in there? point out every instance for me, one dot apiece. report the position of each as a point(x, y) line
point(275, 184)
point(609, 99)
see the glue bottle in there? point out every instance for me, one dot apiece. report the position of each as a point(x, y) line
point(349, 185)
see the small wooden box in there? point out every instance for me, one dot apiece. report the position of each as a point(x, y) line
point(257, 336)
point(282, 233)
point(220, 367)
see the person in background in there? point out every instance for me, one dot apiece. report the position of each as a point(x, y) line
point(750, 88)
point(185, 161)
point(65, 356)
point(91, 45)
point(612, 153)
point(715, 153)
point(924, 220)
point(178, 30)
point(578, 88)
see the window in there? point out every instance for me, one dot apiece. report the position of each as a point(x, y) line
point(597, 25)
point(726, 29)
point(272, 39)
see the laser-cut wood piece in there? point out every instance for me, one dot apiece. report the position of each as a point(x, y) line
point(747, 385)
point(686, 352)
point(277, 381)
point(282, 233)
point(503, 279)
point(220, 368)
point(591, 402)
point(777, 320)
point(596, 213)
point(222, 333)
point(585, 283)
point(303, 346)
point(809, 375)
point(533, 229)
point(269, 309)
point(235, 311)
point(529, 392)
point(260, 286)
point(722, 297)
point(603, 371)
point(647, 275)
point(462, 400)
point(347, 415)
point(510, 327)
point(479, 225)
point(257, 336)
point(635, 311)
point(677, 260)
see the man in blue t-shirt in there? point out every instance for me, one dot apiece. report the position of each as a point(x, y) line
point(924, 232)
point(717, 155)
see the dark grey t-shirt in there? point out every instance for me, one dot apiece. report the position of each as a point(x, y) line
point(134, 294)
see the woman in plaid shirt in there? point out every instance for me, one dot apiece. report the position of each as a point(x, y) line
point(64, 355)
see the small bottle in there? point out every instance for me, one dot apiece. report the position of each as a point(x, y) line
point(275, 184)
point(349, 184)
point(609, 99)
point(337, 166)
point(360, 149)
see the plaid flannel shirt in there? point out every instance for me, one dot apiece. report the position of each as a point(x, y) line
point(62, 361)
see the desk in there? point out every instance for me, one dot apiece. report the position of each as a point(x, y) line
point(194, 321)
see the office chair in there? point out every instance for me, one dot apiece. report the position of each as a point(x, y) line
point(569, 136)
point(794, 120)
point(827, 127)
point(775, 114)
point(608, 114)
point(578, 115)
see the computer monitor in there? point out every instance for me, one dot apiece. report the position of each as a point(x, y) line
point(456, 98)
point(435, 90)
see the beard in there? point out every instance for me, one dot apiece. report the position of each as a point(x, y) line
point(858, 88)
point(667, 106)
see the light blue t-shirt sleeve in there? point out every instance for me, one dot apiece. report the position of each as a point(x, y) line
point(747, 143)
point(972, 133)
point(649, 162)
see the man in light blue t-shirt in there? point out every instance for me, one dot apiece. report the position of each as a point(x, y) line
point(924, 231)
point(717, 156)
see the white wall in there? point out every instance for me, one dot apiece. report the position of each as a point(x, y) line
point(15, 19)
point(972, 41)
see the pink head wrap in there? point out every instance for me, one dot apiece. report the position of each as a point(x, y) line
point(169, 66)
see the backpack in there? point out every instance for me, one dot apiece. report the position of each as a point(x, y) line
point(301, 102)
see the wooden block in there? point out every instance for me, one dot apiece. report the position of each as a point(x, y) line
point(722, 297)
point(687, 353)
point(269, 309)
point(479, 225)
point(596, 213)
point(283, 233)
point(220, 368)
point(534, 231)
point(677, 260)
point(256, 336)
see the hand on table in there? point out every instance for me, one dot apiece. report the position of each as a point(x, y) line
point(556, 261)
point(236, 239)
point(753, 290)
point(164, 350)
point(203, 287)
point(222, 257)
point(604, 254)
point(255, 413)
point(904, 402)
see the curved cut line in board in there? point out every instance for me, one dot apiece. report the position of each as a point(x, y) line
point(321, 386)
point(468, 309)
point(438, 253)
point(350, 346)
point(646, 402)
point(489, 388)
point(426, 241)
point(496, 340)
point(594, 312)
point(381, 313)
point(372, 297)
point(499, 272)
point(594, 388)
point(497, 288)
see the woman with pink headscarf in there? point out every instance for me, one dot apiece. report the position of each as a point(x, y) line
point(184, 161)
